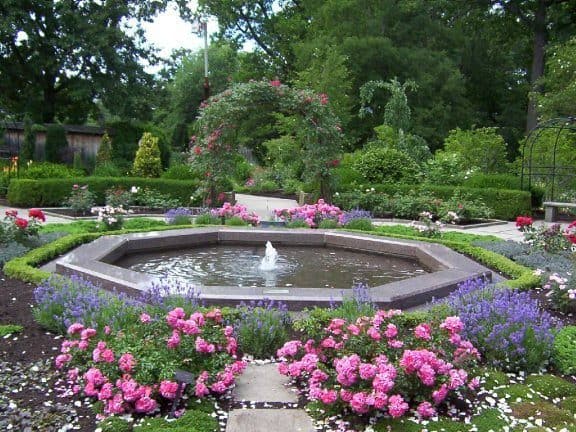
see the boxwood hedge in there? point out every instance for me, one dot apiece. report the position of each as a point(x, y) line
point(506, 203)
point(53, 192)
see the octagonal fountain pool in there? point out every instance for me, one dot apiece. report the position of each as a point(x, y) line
point(310, 267)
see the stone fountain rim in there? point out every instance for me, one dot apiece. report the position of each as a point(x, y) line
point(94, 261)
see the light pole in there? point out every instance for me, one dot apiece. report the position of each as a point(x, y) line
point(204, 30)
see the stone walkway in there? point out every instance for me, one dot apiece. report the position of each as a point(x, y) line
point(263, 383)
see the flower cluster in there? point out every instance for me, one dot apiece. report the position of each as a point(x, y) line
point(524, 223)
point(570, 233)
point(549, 238)
point(81, 200)
point(109, 218)
point(131, 371)
point(351, 215)
point(237, 210)
point(426, 225)
point(373, 364)
point(505, 325)
point(178, 216)
point(562, 292)
point(16, 228)
point(311, 214)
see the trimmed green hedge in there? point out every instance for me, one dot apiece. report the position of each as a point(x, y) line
point(53, 192)
point(506, 203)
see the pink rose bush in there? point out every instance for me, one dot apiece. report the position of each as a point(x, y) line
point(312, 214)
point(132, 371)
point(377, 365)
point(228, 211)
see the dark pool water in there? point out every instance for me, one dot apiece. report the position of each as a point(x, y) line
point(304, 267)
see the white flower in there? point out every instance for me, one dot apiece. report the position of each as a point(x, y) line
point(135, 189)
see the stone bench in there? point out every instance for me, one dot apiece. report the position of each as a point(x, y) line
point(551, 209)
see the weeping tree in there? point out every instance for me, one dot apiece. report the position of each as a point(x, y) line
point(216, 146)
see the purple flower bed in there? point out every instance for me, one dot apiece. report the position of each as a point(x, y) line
point(509, 328)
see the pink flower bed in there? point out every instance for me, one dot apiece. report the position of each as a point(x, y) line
point(374, 365)
point(237, 210)
point(133, 371)
point(312, 214)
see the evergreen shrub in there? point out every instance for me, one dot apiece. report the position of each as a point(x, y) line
point(147, 162)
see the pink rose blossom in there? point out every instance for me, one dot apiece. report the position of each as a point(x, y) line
point(426, 410)
point(168, 389)
point(397, 407)
point(439, 395)
point(422, 331)
point(358, 403)
point(126, 362)
point(115, 405)
point(62, 359)
point(145, 405)
point(453, 324)
point(105, 392)
point(174, 340)
point(87, 333)
point(329, 397)
point(107, 355)
point(373, 333)
point(391, 331)
point(75, 328)
point(145, 318)
point(107, 330)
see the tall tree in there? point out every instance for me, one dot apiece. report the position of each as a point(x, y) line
point(58, 57)
point(540, 18)
point(272, 26)
point(185, 91)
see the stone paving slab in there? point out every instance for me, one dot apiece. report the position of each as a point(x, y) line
point(268, 420)
point(263, 383)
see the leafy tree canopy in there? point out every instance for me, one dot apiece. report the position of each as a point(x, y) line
point(57, 58)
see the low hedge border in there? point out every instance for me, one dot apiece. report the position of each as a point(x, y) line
point(521, 277)
point(506, 203)
point(23, 268)
point(53, 192)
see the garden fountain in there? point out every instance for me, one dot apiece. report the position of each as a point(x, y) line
point(98, 261)
point(269, 261)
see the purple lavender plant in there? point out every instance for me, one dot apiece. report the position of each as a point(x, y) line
point(355, 214)
point(507, 326)
point(262, 327)
point(64, 301)
point(178, 216)
point(166, 294)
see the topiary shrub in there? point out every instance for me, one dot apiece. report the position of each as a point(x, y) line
point(564, 351)
point(56, 143)
point(104, 153)
point(147, 162)
point(386, 165)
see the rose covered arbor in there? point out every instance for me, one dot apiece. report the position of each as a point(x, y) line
point(316, 125)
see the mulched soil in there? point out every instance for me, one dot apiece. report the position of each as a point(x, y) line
point(28, 355)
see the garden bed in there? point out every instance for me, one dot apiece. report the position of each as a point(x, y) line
point(134, 211)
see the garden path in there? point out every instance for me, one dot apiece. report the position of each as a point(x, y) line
point(266, 403)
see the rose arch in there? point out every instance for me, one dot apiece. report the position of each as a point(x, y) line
point(215, 146)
